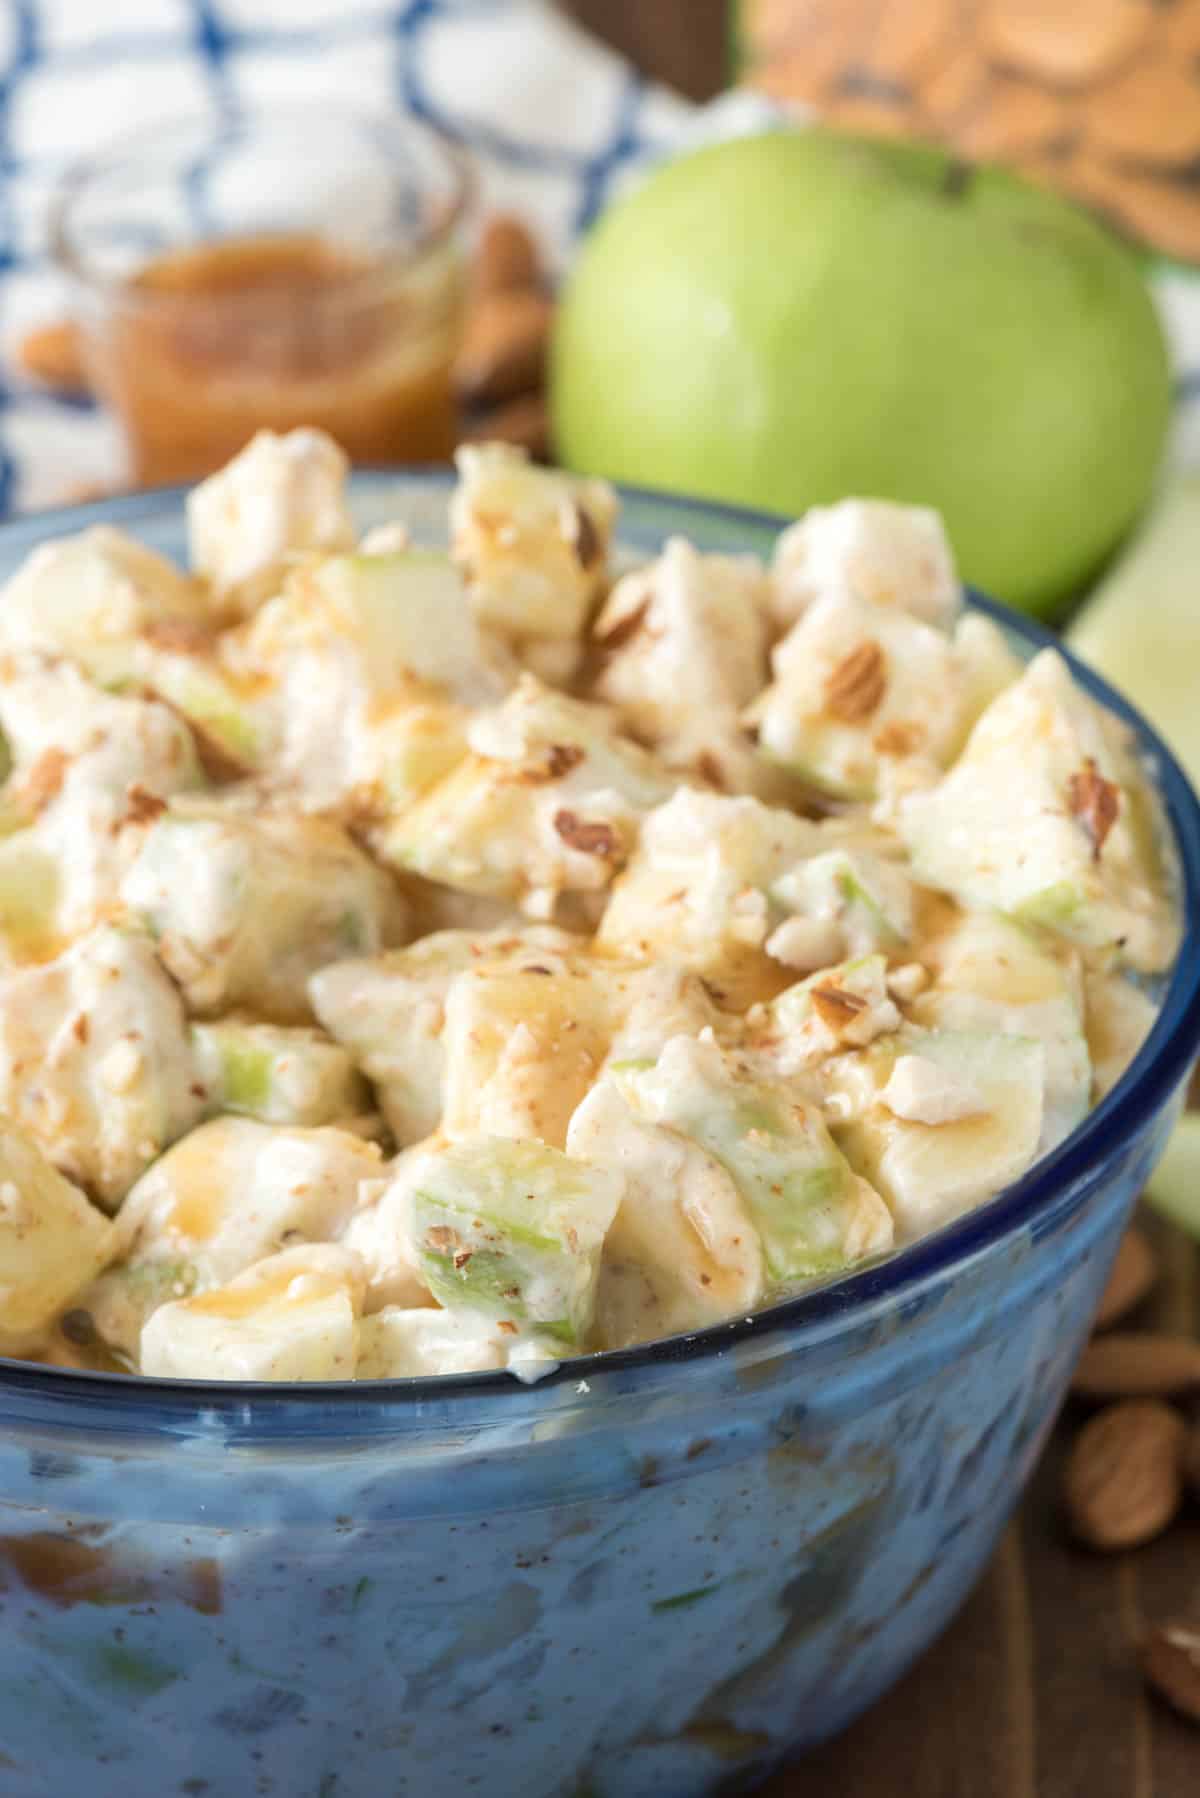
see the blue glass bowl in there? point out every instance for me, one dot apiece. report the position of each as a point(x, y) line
point(652, 1575)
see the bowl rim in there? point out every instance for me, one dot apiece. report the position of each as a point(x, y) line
point(1146, 1087)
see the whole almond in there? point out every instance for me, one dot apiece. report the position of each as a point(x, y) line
point(1170, 1661)
point(1047, 43)
point(855, 687)
point(1123, 1482)
point(586, 836)
point(503, 351)
point(507, 256)
point(51, 354)
point(1145, 115)
point(1133, 1274)
point(1137, 1364)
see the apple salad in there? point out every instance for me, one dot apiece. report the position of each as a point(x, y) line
point(417, 963)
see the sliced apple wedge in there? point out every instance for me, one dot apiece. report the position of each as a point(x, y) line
point(1141, 626)
point(1174, 1187)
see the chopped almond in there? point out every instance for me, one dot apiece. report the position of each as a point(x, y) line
point(587, 838)
point(1095, 802)
point(856, 686)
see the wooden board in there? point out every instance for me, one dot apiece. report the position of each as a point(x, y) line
point(1032, 1692)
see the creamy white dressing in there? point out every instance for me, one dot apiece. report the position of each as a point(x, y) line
point(450, 969)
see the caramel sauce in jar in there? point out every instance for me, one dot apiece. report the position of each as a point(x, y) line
point(207, 344)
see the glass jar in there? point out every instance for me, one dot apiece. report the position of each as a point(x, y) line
point(297, 268)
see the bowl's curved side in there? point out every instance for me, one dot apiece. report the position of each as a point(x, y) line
point(652, 1598)
point(654, 1574)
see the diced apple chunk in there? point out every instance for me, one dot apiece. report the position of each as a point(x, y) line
point(987, 661)
point(842, 1007)
point(686, 650)
point(887, 554)
point(862, 896)
point(390, 1012)
point(30, 900)
point(278, 1075)
point(859, 689)
point(367, 660)
point(92, 769)
point(280, 496)
point(696, 888)
point(52, 1242)
point(813, 1216)
point(131, 621)
point(1119, 1018)
point(683, 1251)
point(402, 617)
point(512, 1231)
point(244, 908)
point(522, 1048)
point(90, 597)
point(230, 1193)
point(226, 711)
point(533, 543)
point(407, 749)
point(293, 1316)
point(95, 1062)
point(650, 1005)
point(380, 1236)
point(1047, 817)
point(989, 1087)
point(399, 1344)
point(990, 976)
point(500, 1034)
point(547, 802)
point(50, 706)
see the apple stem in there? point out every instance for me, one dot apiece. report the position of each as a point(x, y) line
point(957, 177)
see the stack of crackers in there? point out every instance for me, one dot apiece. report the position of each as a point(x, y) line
point(1100, 98)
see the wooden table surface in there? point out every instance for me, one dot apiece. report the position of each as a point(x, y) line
point(1032, 1692)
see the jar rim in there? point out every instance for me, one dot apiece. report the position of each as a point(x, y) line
point(431, 240)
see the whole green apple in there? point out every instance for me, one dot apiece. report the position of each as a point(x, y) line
point(787, 319)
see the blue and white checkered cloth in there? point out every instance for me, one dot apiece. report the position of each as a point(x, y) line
point(551, 118)
point(554, 122)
